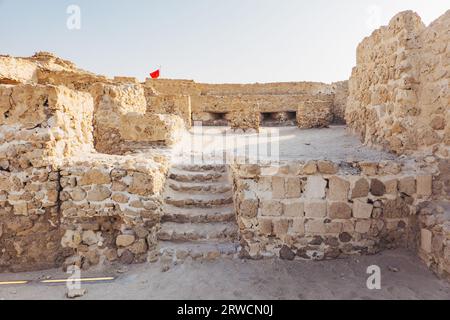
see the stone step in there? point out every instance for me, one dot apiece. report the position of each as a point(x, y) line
point(198, 215)
point(198, 251)
point(179, 232)
point(219, 168)
point(199, 187)
point(188, 176)
point(179, 199)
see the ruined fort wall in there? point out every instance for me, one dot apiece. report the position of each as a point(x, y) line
point(399, 96)
point(210, 101)
point(400, 100)
point(323, 210)
point(39, 127)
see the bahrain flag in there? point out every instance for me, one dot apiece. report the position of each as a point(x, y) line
point(155, 74)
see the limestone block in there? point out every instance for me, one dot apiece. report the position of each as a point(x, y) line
point(293, 208)
point(310, 168)
point(315, 209)
point(424, 185)
point(368, 168)
point(391, 186)
point(360, 189)
point(280, 227)
point(339, 189)
point(94, 176)
point(333, 227)
point(407, 185)
point(278, 188)
point(327, 167)
point(315, 226)
point(98, 193)
point(125, 240)
point(377, 187)
point(363, 226)
point(142, 184)
point(71, 239)
point(362, 210)
point(425, 240)
point(298, 227)
point(339, 210)
point(161, 128)
point(89, 237)
point(315, 187)
point(265, 226)
point(271, 208)
point(293, 187)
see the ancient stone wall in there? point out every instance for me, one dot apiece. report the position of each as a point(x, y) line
point(219, 104)
point(399, 96)
point(111, 208)
point(111, 103)
point(340, 101)
point(322, 210)
point(39, 127)
point(400, 99)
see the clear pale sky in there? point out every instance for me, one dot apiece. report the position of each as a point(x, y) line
point(205, 40)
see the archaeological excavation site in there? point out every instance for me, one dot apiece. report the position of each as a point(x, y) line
point(98, 171)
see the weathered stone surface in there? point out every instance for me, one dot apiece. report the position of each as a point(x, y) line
point(425, 240)
point(362, 226)
point(315, 209)
point(362, 210)
point(265, 226)
point(294, 208)
point(327, 167)
point(339, 210)
point(407, 185)
point(94, 176)
point(271, 208)
point(360, 189)
point(315, 226)
point(377, 187)
point(424, 185)
point(278, 188)
point(315, 187)
point(293, 187)
point(98, 193)
point(125, 240)
point(286, 253)
point(339, 189)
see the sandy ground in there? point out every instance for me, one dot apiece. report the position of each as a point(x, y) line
point(276, 144)
point(238, 279)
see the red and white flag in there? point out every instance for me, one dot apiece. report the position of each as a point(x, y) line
point(155, 74)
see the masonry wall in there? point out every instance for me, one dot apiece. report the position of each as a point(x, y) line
point(221, 104)
point(39, 127)
point(322, 210)
point(399, 93)
point(400, 100)
point(111, 209)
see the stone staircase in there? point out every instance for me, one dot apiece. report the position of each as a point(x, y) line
point(199, 217)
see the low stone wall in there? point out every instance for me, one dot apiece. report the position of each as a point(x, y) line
point(434, 239)
point(30, 233)
point(111, 208)
point(322, 210)
point(39, 127)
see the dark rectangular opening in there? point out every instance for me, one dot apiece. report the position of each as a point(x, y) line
point(279, 119)
point(216, 119)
